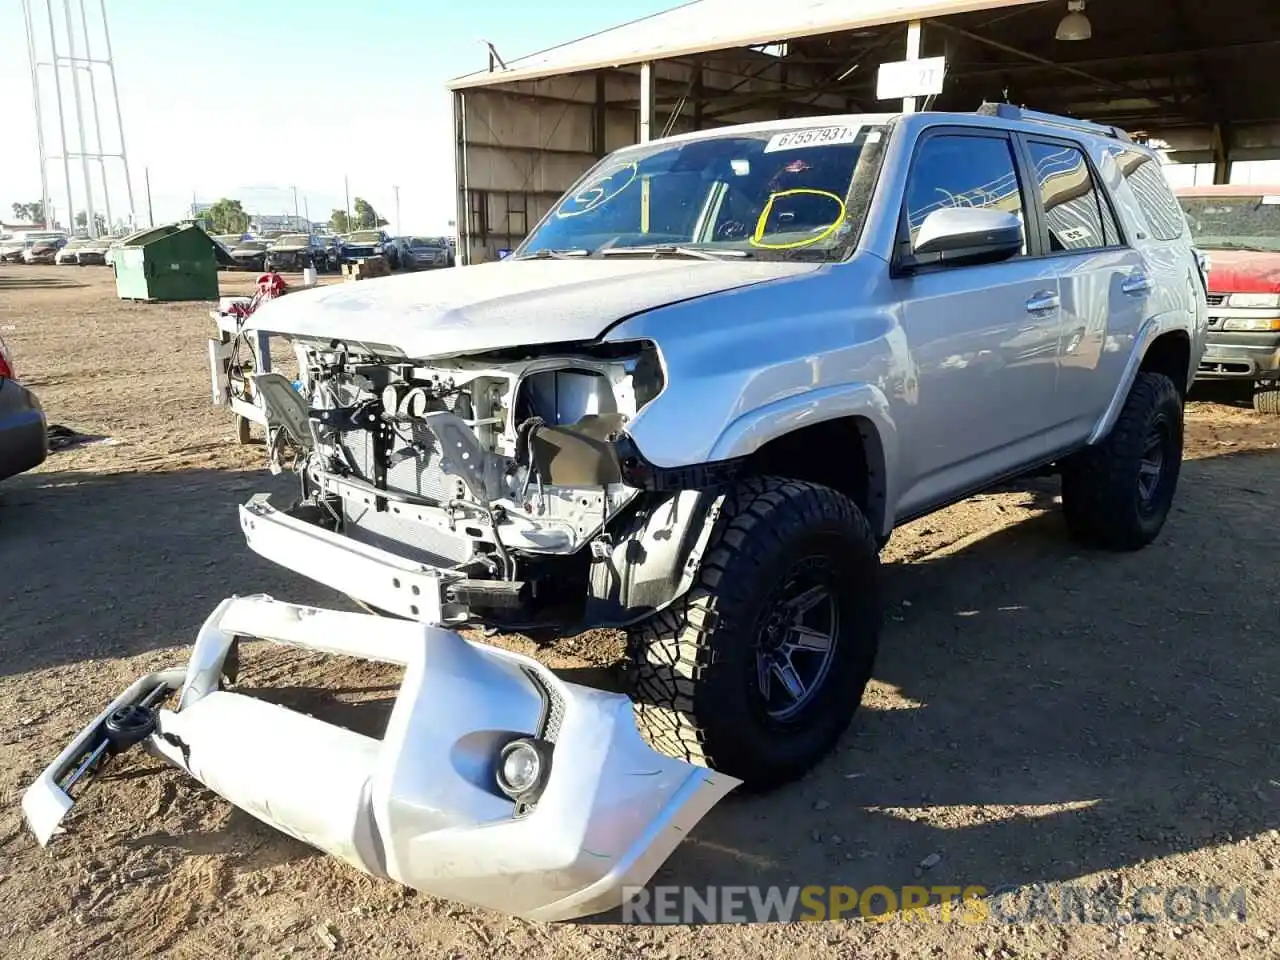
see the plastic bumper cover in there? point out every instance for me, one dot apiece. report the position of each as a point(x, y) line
point(421, 805)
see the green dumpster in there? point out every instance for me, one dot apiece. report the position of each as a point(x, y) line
point(173, 262)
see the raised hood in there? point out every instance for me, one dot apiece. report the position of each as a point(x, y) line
point(503, 304)
point(1243, 271)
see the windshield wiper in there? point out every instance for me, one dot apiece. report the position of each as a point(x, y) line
point(547, 254)
point(669, 250)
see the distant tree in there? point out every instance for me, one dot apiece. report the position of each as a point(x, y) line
point(82, 220)
point(366, 217)
point(339, 222)
point(227, 216)
point(29, 212)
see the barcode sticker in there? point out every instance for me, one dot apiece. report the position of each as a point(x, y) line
point(811, 137)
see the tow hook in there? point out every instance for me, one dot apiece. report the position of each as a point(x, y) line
point(128, 725)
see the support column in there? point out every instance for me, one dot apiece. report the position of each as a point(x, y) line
point(646, 102)
point(913, 53)
point(1221, 154)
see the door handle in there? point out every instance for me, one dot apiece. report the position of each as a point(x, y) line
point(1135, 284)
point(1044, 300)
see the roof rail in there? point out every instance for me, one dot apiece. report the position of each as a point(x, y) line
point(1008, 111)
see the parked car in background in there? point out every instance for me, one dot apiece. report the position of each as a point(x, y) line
point(83, 252)
point(423, 253)
point(11, 249)
point(43, 248)
point(1237, 227)
point(24, 436)
point(332, 246)
point(362, 244)
point(296, 252)
point(227, 241)
point(250, 254)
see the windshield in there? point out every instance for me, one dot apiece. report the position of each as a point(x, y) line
point(364, 236)
point(252, 245)
point(424, 243)
point(1234, 223)
point(294, 240)
point(772, 193)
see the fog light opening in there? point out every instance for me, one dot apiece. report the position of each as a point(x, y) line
point(522, 769)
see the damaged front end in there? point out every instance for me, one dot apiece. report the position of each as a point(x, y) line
point(496, 783)
point(499, 488)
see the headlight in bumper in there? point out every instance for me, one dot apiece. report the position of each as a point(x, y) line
point(1254, 301)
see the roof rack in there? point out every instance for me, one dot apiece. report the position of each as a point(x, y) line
point(1008, 111)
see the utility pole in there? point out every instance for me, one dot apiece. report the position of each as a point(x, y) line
point(97, 122)
point(146, 173)
point(115, 93)
point(45, 205)
point(62, 125)
point(397, 192)
point(346, 189)
point(91, 222)
point(295, 206)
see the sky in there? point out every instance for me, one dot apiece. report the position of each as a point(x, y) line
point(247, 100)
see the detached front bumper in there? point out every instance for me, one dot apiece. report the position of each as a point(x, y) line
point(421, 805)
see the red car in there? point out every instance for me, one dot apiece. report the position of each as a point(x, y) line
point(1237, 226)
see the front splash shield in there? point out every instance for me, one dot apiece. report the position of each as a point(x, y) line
point(421, 805)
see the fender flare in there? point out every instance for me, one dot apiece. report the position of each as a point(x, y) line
point(864, 401)
point(1151, 330)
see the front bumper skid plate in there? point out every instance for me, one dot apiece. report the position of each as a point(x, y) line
point(421, 805)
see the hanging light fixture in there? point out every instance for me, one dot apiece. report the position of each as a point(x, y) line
point(1075, 25)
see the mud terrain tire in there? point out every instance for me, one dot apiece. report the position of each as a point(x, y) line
point(733, 676)
point(1117, 495)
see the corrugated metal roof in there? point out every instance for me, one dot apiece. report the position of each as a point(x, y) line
point(706, 25)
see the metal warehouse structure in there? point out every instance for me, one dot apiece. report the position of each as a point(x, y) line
point(1198, 75)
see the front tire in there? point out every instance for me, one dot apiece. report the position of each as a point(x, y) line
point(1266, 398)
point(1117, 495)
point(759, 668)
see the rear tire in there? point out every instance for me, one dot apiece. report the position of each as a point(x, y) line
point(1266, 398)
point(1117, 495)
point(759, 668)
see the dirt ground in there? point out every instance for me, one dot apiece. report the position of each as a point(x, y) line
point(1039, 714)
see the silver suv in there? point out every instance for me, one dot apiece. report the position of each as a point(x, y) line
point(699, 397)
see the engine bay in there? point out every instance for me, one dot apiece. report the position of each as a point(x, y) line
point(482, 464)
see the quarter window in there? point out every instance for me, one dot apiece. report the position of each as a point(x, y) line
point(954, 170)
point(1077, 213)
point(1159, 206)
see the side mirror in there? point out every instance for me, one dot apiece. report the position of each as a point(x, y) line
point(967, 235)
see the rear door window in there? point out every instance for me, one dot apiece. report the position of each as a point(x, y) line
point(1077, 212)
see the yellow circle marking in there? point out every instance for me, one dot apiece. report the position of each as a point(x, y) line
point(793, 244)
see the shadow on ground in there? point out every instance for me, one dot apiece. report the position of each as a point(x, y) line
point(115, 565)
point(10, 281)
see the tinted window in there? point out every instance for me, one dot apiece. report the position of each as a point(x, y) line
point(954, 170)
point(1146, 180)
point(1076, 211)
